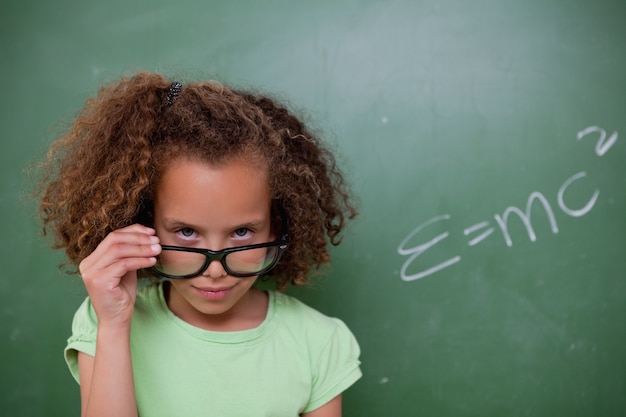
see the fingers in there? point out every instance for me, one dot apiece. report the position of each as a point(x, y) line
point(109, 272)
point(128, 249)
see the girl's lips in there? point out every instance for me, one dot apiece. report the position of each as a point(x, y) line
point(213, 293)
point(209, 289)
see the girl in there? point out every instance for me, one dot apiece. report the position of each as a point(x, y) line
point(201, 190)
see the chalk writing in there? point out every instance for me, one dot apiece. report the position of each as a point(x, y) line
point(413, 253)
point(483, 229)
point(603, 144)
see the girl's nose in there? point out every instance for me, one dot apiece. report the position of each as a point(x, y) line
point(215, 270)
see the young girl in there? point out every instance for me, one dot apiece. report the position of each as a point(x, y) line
point(202, 190)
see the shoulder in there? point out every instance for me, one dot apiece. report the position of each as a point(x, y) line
point(310, 325)
point(290, 309)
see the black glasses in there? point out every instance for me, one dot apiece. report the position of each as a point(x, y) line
point(178, 262)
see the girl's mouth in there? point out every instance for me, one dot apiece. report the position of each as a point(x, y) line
point(213, 293)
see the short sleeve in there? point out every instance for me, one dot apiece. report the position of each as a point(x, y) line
point(83, 338)
point(337, 367)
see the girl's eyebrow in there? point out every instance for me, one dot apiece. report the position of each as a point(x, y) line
point(251, 224)
point(174, 223)
point(171, 223)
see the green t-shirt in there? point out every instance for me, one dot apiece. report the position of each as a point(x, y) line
point(296, 361)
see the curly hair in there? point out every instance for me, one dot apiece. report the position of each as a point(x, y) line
point(102, 175)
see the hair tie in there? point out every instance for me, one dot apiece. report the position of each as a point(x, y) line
point(173, 92)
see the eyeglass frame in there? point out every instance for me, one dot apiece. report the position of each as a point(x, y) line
point(220, 255)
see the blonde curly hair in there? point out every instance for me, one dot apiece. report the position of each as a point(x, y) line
point(102, 175)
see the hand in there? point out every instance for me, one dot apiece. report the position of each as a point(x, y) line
point(110, 272)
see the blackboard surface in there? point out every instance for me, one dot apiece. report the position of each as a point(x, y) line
point(485, 139)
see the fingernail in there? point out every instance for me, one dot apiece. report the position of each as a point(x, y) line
point(154, 239)
point(155, 248)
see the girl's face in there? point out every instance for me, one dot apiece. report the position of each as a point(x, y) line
point(201, 206)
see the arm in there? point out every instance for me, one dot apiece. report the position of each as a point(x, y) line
point(330, 409)
point(109, 275)
point(106, 376)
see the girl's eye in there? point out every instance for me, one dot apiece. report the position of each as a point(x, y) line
point(186, 232)
point(242, 232)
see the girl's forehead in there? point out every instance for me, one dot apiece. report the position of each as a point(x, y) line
point(236, 187)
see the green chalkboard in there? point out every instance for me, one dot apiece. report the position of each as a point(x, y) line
point(486, 140)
